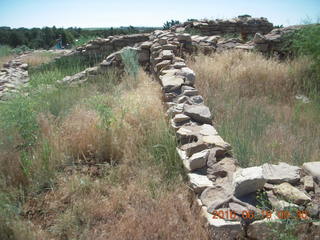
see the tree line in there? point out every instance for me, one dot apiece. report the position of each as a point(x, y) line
point(47, 37)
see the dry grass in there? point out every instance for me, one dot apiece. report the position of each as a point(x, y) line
point(135, 192)
point(37, 58)
point(255, 109)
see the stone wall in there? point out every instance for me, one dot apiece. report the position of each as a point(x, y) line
point(239, 25)
point(110, 44)
point(215, 176)
point(13, 76)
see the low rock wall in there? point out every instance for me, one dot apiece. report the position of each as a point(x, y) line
point(239, 25)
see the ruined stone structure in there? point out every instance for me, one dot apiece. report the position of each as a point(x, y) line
point(110, 44)
point(13, 76)
point(239, 25)
point(219, 183)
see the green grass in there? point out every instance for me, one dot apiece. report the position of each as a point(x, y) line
point(83, 40)
point(5, 50)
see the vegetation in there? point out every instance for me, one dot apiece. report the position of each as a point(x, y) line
point(253, 100)
point(306, 42)
point(46, 37)
point(93, 161)
point(169, 24)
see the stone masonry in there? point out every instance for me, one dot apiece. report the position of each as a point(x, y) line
point(219, 183)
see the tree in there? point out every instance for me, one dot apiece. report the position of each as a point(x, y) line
point(169, 24)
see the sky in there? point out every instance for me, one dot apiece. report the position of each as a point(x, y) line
point(105, 13)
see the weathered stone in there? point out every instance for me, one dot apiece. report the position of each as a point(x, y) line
point(179, 65)
point(216, 141)
point(207, 130)
point(216, 195)
point(259, 38)
point(280, 173)
point(195, 100)
point(248, 180)
point(308, 183)
point(279, 204)
point(176, 109)
point(170, 83)
point(291, 194)
point(187, 134)
point(166, 54)
point(146, 45)
point(198, 160)
point(199, 113)
point(314, 169)
point(188, 74)
point(182, 99)
point(193, 147)
point(190, 93)
point(224, 168)
point(162, 65)
point(222, 229)
point(184, 37)
point(199, 182)
point(180, 118)
point(313, 210)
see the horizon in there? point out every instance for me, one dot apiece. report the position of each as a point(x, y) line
point(101, 14)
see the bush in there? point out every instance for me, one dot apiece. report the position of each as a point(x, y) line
point(306, 41)
point(5, 50)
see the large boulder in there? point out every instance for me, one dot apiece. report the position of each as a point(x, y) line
point(248, 180)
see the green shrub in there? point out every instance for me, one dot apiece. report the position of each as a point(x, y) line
point(130, 61)
point(5, 50)
point(306, 41)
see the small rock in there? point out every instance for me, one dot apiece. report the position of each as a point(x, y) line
point(224, 168)
point(216, 194)
point(314, 169)
point(199, 182)
point(198, 160)
point(180, 118)
point(308, 183)
point(216, 141)
point(166, 55)
point(194, 147)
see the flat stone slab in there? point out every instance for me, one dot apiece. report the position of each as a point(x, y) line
point(280, 173)
point(171, 83)
point(199, 182)
point(291, 193)
point(180, 118)
point(215, 195)
point(314, 169)
point(199, 113)
point(248, 180)
point(217, 141)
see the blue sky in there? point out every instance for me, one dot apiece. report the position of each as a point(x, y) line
point(104, 13)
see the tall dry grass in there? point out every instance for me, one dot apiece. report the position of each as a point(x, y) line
point(136, 191)
point(253, 100)
point(37, 58)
